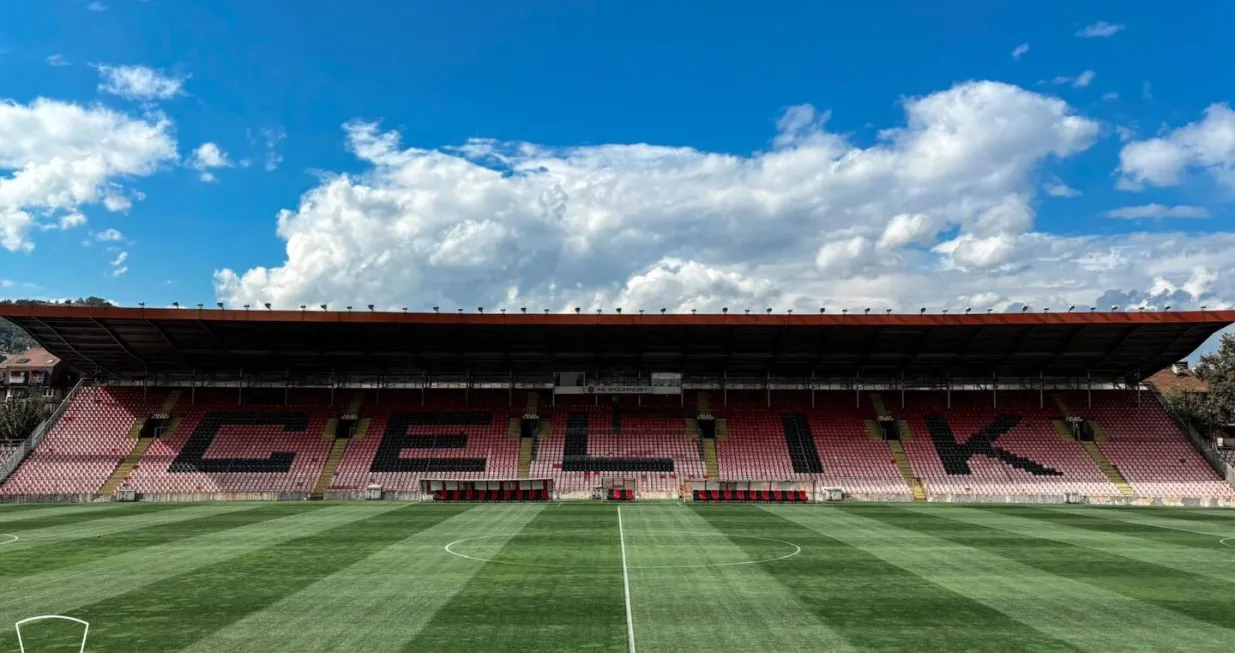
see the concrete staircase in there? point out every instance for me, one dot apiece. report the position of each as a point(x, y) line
point(337, 450)
point(1112, 473)
point(525, 456)
point(709, 458)
point(902, 463)
point(122, 471)
point(338, 447)
point(895, 446)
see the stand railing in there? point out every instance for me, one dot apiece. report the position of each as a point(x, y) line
point(9, 466)
point(1207, 450)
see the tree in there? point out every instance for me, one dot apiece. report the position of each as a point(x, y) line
point(1209, 411)
point(19, 417)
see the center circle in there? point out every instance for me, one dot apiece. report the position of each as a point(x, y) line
point(579, 549)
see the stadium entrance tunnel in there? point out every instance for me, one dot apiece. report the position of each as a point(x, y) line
point(580, 550)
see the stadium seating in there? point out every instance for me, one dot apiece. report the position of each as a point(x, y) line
point(220, 446)
point(1017, 447)
point(85, 445)
point(445, 437)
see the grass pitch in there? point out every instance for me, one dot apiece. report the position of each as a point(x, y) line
point(386, 578)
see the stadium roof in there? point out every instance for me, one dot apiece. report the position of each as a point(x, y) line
point(135, 341)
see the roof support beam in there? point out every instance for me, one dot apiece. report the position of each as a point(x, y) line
point(111, 334)
point(71, 348)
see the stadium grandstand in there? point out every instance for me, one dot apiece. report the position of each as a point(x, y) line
point(194, 404)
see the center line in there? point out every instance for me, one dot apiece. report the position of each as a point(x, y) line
point(630, 621)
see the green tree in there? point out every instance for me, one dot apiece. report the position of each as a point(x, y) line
point(1209, 411)
point(19, 417)
point(1218, 371)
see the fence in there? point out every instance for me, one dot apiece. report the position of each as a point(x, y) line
point(9, 466)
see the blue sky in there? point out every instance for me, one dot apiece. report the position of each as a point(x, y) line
point(601, 154)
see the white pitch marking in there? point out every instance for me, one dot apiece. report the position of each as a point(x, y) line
point(449, 548)
point(15, 538)
point(630, 621)
point(1226, 541)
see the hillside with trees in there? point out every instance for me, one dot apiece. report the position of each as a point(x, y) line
point(14, 339)
point(1210, 411)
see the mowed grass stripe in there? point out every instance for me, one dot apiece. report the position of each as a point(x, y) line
point(42, 538)
point(705, 603)
point(66, 590)
point(178, 611)
point(21, 511)
point(1086, 617)
point(71, 544)
point(875, 605)
point(1177, 549)
point(35, 521)
point(1196, 596)
point(566, 595)
point(379, 603)
point(1170, 520)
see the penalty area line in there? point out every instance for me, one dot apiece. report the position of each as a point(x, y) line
point(630, 621)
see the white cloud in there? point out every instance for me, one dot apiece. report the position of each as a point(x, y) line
point(1100, 29)
point(1020, 51)
point(1110, 95)
point(1158, 211)
point(109, 236)
point(815, 219)
point(206, 157)
point(139, 83)
point(120, 259)
point(1056, 188)
point(61, 157)
point(96, 6)
point(1080, 81)
point(1207, 145)
point(71, 221)
point(272, 138)
point(57, 60)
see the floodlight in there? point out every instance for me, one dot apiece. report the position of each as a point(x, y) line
point(435, 309)
point(370, 306)
point(523, 309)
point(1072, 308)
point(142, 304)
point(662, 311)
point(822, 310)
point(246, 307)
point(268, 306)
point(967, 309)
point(922, 310)
point(619, 310)
point(175, 304)
point(323, 307)
point(1167, 307)
point(219, 304)
point(578, 310)
point(1114, 308)
point(480, 309)
point(769, 311)
point(724, 309)
point(1024, 309)
point(867, 311)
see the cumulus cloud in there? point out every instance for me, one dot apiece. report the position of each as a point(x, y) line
point(1020, 51)
point(1207, 145)
point(57, 60)
point(206, 157)
point(1100, 29)
point(1158, 211)
point(118, 267)
point(61, 156)
point(139, 83)
point(815, 219)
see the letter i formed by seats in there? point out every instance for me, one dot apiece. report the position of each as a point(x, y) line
point(36, 640)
